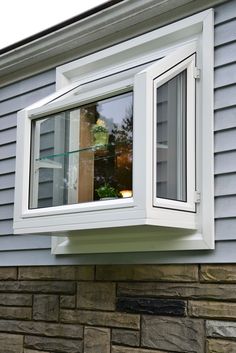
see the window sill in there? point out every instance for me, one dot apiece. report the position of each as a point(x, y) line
point(131, 239)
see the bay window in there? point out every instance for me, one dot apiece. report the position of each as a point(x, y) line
point(120, 157)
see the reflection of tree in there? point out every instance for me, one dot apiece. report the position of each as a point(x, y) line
point(113, 165)
point(122, 136)
point(123, 133)
point(91, 112)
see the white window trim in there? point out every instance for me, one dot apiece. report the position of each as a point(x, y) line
point(143, 106)
point(199, 234)
point(68, 103)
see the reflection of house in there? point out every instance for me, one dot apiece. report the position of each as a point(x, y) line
point(141, 274)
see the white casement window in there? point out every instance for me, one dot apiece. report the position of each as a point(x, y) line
point(120, 157)
point(174, 134)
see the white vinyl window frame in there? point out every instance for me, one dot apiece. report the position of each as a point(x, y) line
point(169, 213)
point(136, 63)
point(55, 104)
point(58, 105)
point(188, 65)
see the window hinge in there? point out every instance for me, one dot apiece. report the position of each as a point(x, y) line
point(197, 197)
point(196, 72)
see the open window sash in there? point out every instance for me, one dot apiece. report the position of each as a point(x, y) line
point(170, 137)
point(174, 123)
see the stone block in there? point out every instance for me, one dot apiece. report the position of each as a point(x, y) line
point(12, 299)
point(46, 307)
point(95, 318)
point(56, 345)
point(169, 273)
point(173, 334)
point(42, 328)
point(10, 312)
point(119, 349)
point(220, 346)
point(151, 306)
point(96, 340)
point(60, 287)
point(67, 301)
point(33, 351)
point(221, 329)
point(218, 273)
point(208, 309)
point(7, 273)
point(73, 273)
point(95, 295)
point(126, 337)
point(11, 343)
point(178, 290)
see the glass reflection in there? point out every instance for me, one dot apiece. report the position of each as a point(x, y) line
point(171, 169)
point(83, 154)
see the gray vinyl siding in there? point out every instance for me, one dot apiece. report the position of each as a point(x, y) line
point(225, 123)
point(13, 98)
point(31, 249)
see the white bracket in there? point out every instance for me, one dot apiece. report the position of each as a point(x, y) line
point(196, 73)
point(47, 163)
point(197, 197)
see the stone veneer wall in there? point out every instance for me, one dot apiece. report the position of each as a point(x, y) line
point(118, 309)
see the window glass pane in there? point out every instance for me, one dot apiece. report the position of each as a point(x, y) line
point(171, 139)
point(83, 154)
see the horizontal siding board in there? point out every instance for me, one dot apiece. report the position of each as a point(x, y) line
point(225, 97)
point(8, 136)
point(8, 121)
point(6, 228)
point(225, 252)
point(225, 228)
point(47, 140)
point(225, 184)
point(225, 33)
point(225, 118)
point(7, 166)
point(8, 151)
point(21, 242)
point(225, 54)
point(225, 162)
point(20, 102)
point(6, 212)
point(7, 181)
point(48, 152)
point(29, 84)
point(225, 140)
point(47, 202)
point(225, 12)
point(225, 206)
point(46, 175)
point(225, 75)
point(45, 190)
point(6, 196)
